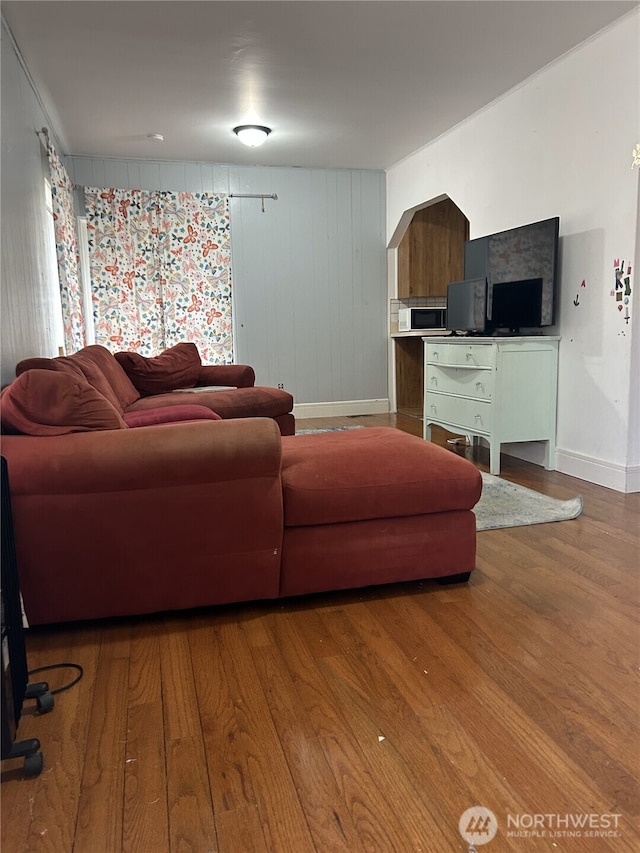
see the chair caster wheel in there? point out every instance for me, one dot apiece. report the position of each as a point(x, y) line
point(33, 764)
point(45, 703)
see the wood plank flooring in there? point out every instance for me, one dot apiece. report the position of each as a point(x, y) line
point(367, 720)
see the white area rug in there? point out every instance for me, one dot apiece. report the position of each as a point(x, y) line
point(327, 429)
point(505, 504)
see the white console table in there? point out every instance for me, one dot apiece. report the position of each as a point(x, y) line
point(502, 389)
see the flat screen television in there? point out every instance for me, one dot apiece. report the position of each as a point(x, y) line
point(517, 305)
point(518, 255)
point(467, 305)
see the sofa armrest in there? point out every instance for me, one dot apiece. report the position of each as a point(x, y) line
point(144, 520)
point(158, 456)
point(235, 375)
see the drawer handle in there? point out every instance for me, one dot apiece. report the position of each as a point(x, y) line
point(434, 381)
point(432, 409)
point(469, 356)
point(479, 386)
point(435, 354)
point(478, 419)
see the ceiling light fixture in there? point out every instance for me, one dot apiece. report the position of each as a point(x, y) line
point(252, 134)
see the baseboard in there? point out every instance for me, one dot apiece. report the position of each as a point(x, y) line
point(608, 474)
point(341, 408)
point(633, 479)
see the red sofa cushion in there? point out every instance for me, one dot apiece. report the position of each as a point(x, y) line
point(52, 402)
point(169, 415)
point(256, 402)
point(177, 367)
point(378, 472)
point(121, 386)
point(97, 366)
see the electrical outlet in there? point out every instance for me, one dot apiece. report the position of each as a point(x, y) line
point(281, 386)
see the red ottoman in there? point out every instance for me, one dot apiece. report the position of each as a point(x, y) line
point(374, 506)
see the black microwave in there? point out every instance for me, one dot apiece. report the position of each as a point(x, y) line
point(421, 318)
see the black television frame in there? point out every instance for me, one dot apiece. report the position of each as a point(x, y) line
point(468, 298)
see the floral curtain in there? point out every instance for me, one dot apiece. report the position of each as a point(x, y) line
point(66, 236)
point(160, 271)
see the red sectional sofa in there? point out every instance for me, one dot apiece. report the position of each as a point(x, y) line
point(116, 521)
point(134, 385)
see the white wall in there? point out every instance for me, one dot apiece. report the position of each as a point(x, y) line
point(560, 145)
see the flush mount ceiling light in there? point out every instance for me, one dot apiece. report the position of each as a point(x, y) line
point(252, 134)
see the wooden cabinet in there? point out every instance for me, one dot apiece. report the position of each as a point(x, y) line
point(430, 256)
point(409, 375)
point(500, 389)
point(431, 253)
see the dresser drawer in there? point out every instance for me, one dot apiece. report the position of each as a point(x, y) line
point(460, 381)
point(462, 355)
point(473, 416)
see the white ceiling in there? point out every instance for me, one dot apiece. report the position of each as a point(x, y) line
point(342, 84)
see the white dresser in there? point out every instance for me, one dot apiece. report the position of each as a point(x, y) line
point(500, 389)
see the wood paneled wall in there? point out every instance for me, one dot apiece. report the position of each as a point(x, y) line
point(430, 256)
point(310, 290)
point(431, 253)
point(409, 376)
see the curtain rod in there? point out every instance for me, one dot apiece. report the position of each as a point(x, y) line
point(44, 139)
point(274, 196)
point(262, 196)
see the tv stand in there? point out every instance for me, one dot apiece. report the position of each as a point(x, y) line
point(502, 389)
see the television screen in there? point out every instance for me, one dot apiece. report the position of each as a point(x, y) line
point(517, 304)
point(519, 254)
point(467, 305)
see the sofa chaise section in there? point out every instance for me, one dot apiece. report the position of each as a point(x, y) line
point(374, 506)
point(121, 522)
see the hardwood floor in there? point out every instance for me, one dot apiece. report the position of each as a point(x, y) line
point(367, 720)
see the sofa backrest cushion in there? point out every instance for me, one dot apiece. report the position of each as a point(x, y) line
point(52, 402)
point(119, 383)
point(177, 367)
point(62, 363)
point(97, 366)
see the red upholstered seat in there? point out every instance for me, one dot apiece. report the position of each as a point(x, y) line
point(255, 402)
point(355, 475)
point(169, 415)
